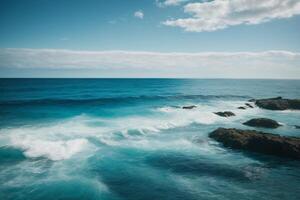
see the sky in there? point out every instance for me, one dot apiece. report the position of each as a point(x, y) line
point(150, 38)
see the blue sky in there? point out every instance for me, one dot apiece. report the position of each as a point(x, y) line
point(165, 26)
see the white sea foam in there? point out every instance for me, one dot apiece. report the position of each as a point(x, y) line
point(54, 150)
point(204, 114)
point(62, 140)
point(181, 117)
point(288, 111)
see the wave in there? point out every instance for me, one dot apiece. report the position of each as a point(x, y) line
point(54, 150)
point(62, 140)
point(105, 100)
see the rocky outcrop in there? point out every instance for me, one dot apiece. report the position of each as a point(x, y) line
point(249, 105)
point(260, 142)
point(278, 103)
point(189, 107)
point(225, 114)
point(297, 127)
point(262, 122)
point(242, 108)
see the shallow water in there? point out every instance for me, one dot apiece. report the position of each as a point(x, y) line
point(127, 139)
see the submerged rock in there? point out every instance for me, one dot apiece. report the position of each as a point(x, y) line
point(260, 142)
point(242, 108)
point(278, 103)
point(189, 107)
point(249, 105)
point(225, 114)
point(297, 127)
point(262, 122)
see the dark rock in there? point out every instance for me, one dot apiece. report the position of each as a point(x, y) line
point(225, 114)
point(262, 122)
point(189, 107)
point(260, 142)
point(242, 108)
point(278, 103)
point(249, 105)
point(297, 127)
point(251, 100)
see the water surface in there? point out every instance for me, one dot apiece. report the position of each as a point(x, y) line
point(116, 139)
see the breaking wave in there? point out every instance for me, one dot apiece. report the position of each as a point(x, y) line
point(62, 140)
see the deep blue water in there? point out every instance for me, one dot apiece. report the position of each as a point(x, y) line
point(127, 139)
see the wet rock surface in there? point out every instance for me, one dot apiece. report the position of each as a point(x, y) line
point(225, 114)
point(189, 107)
point(262, 122)
point(255, 141)
point(278, 103)
point(249, 105)
point(242, 108)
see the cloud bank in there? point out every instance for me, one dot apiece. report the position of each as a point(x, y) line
point(220, 14)
point(267, 64)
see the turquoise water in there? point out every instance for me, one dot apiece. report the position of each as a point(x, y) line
point(115, 139)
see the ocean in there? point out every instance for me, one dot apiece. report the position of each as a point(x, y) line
point(129, 139)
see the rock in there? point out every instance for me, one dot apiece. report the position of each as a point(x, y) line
point(260, 142)
point(262, 122)
point(249, 105)
point(189, 107)
point(225, 114)
point(278, 103)
point(297, 127)
point(251, 100)
point(242, 108)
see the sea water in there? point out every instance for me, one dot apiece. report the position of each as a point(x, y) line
point(117, 139)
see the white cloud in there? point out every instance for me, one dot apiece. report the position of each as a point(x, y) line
point(220, 14)
point(170, 2)
point(139, 14)
point(267, 64)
